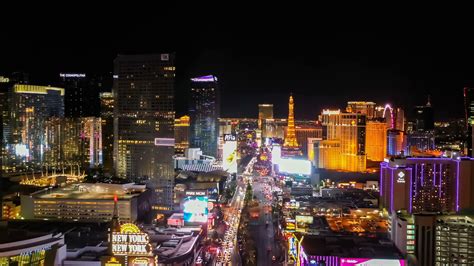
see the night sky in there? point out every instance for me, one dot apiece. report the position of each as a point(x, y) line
point(262, 56)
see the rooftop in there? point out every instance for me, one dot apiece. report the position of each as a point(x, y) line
point(208, 78)
point(350, 247)
point(91, 191)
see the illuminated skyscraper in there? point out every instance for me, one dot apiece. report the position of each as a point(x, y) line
point(400, 119)
point(350, 130)
point(144, 122)
point(3, 113)
point(305, 130)
point(204, 111)
point(73, 141)
point(469, 119)
point(144, 116)
point(181, 134)
point(29, 106)
point(376, 140)
point(427, 185)
point(290, 146)
point(420, 141)
point(366, 108)
point(396, 142)
point(265, 111)
point(107, 120)
point(327, 154)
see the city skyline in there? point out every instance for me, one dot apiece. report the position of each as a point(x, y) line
point(339, 63)
point(190, 136)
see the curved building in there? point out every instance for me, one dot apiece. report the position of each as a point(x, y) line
point(17, 247)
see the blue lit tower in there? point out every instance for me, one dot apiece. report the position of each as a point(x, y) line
point(204, 111)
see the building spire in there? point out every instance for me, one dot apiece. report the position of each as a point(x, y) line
point(115, 224)
point(290, 138)
point(429, 100)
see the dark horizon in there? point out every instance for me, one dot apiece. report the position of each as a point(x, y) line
point(323, 65)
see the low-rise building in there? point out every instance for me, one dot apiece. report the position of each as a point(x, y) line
point(85, 202)
point(19, 247)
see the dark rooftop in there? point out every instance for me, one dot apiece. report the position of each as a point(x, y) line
point(351, 247)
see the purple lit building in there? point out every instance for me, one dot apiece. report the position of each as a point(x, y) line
point(419, 185)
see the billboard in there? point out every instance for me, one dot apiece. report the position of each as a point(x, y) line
point(167, 142)
point(230, 137)
point(22, 150)
point(195, 209)
point(371, 262)
point(276, 154)
point(304, 219)
point(294, 166)
point(229, 155)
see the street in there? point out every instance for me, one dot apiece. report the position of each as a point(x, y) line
point(263, 228)
point(229, 254)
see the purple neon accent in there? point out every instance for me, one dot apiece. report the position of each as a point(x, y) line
point(381, 180)
point(411, 190)
point(434, 174)
point(416, 180)
point(391, 193)
point(440, 179)
point(208, 78)
point(430, 158)
point(457, 187)
point(422, 174)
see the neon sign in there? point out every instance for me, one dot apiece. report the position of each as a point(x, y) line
point(401, 177)
point(331, 112)
point(130, 241)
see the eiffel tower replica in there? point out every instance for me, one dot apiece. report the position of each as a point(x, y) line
point(290, 146)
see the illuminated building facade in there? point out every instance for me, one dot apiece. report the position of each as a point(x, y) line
point(144, 115)
point(204, 111)
point(350, 130)
point(393, 116)
point(181, 134)
point(29, 106)
point(454, 240)
point(232, 126)
point(469, 118)
point(274, 128)
point(107, 121)
point(420, 141)
point(427, 184)
point(144, 121)
point(327, 154)
point(435, 239)
point(75, 141)
point(366, 108)
point(396, 142)
point(311, 148)
point(265, 111)
point(21, 247)
point(376, 140)
point(305, 131)
point(400, 119)
point(3, 115)
point(291, 146)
